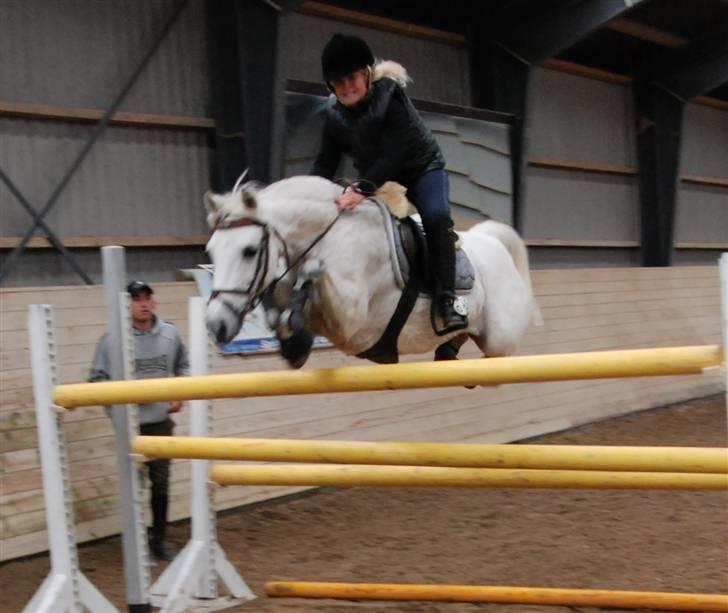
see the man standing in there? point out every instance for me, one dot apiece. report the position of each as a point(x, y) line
point(158, 352)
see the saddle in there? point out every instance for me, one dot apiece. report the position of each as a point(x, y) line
point(409, 258)
point(409, 255)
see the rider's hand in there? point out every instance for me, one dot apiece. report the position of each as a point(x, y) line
point(348, 200)
point(175, 406)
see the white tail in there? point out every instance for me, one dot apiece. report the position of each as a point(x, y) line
point(519, 253)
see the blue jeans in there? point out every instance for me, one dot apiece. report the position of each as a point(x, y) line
point(430, 196)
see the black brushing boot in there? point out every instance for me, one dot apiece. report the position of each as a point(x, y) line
point(441, 243)
point(296, 341)
point(161, 549)
point(446, 352)
point(450, 349)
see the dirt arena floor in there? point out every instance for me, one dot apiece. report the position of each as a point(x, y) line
point(630, 540)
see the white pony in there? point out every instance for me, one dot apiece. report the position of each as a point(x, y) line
point(269, 243)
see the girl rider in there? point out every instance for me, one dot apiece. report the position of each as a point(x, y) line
point(374, 121)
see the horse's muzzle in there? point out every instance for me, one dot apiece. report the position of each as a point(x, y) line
point(222, 323)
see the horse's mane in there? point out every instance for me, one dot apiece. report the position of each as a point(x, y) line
point(287, 201)
point(299, 198)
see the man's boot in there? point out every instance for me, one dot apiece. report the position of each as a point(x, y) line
point(441, 243)
point(160, 548)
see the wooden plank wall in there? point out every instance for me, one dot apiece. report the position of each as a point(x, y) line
point(594, 309)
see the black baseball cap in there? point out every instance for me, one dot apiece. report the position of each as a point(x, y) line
point(137, 287)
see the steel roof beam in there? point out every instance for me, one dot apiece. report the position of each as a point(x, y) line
point(692, 70)
point(553, 31)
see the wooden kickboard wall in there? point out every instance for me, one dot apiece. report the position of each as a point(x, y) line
point(584, 310)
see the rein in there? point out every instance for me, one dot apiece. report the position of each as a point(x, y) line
point(261, 266)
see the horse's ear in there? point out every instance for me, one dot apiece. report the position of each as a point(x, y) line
point(213, 204)
point(248, 198)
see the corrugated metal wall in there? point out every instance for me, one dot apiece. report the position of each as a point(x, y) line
point(147, 181)
point(80, 52)
point(136, 180)
point(702, 210)
point(580, 120)
point(575, 118)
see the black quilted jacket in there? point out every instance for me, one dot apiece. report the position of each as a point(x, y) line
point(385, 136)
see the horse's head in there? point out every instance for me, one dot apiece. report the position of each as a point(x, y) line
point(245, 253)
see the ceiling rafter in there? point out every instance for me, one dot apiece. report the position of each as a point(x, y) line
point(645, 32)
point(621, 22)
point(536, 40)
point(692, 70)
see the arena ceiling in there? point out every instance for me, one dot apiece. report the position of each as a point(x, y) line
point(681, 44)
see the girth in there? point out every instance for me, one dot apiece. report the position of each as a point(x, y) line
point(410, 265)
point(384, 351)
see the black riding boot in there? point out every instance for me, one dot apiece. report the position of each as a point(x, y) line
point(441, 244)
point(161, 549)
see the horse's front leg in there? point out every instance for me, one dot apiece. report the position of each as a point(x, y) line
point(295, 338)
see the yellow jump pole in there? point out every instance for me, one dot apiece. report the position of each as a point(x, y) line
point(355, 475)
point(491, 371)
point(512, 595)
point(574, 457)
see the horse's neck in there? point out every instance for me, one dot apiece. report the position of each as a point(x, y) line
point(297, 213)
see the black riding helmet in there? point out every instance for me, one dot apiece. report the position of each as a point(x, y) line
point(344, 54)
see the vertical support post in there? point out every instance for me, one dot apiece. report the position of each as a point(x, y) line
point(723, 265)
point(659, 115)
point(124, 419)
point(501, 81)
point(514, 79)
point(247, 84)
point(257, 29)
point(203, 513)
point(191, 580)
point(59, 510)
point(65, 588)
point(228, 159)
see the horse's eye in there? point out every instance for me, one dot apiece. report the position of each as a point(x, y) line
point(250, 252)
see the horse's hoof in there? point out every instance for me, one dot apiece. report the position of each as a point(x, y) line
point(296, 349)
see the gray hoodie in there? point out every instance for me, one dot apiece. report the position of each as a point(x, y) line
point(158, 352)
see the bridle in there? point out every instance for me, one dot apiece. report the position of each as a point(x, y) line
point(256, 290)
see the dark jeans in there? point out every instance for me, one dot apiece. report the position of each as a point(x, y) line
point(159, 477)
point(430, 196)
